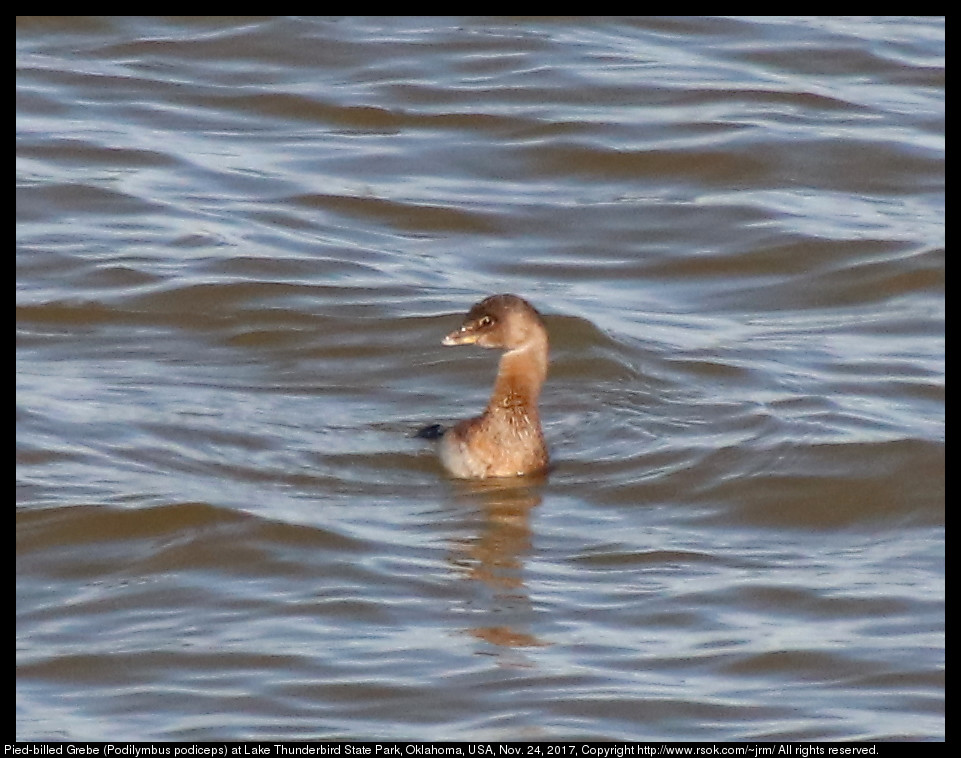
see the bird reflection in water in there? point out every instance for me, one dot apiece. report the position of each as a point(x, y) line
point(493, 559)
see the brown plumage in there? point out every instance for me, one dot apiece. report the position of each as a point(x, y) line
point(506, 439)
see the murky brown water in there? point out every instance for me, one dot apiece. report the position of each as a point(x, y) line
point(239, 243)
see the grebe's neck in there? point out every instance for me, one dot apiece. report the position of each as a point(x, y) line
point(520, 375)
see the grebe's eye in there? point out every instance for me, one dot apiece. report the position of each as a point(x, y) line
point(485, 321)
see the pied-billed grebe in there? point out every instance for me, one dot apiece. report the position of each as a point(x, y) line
point(506, 439)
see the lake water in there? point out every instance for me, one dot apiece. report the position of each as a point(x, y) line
point(239, 244)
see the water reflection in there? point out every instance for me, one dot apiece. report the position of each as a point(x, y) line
point(494, 558)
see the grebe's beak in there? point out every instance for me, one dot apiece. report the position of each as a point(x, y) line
point(463, 336)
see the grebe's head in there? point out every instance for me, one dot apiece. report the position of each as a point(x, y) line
point(507, 322)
